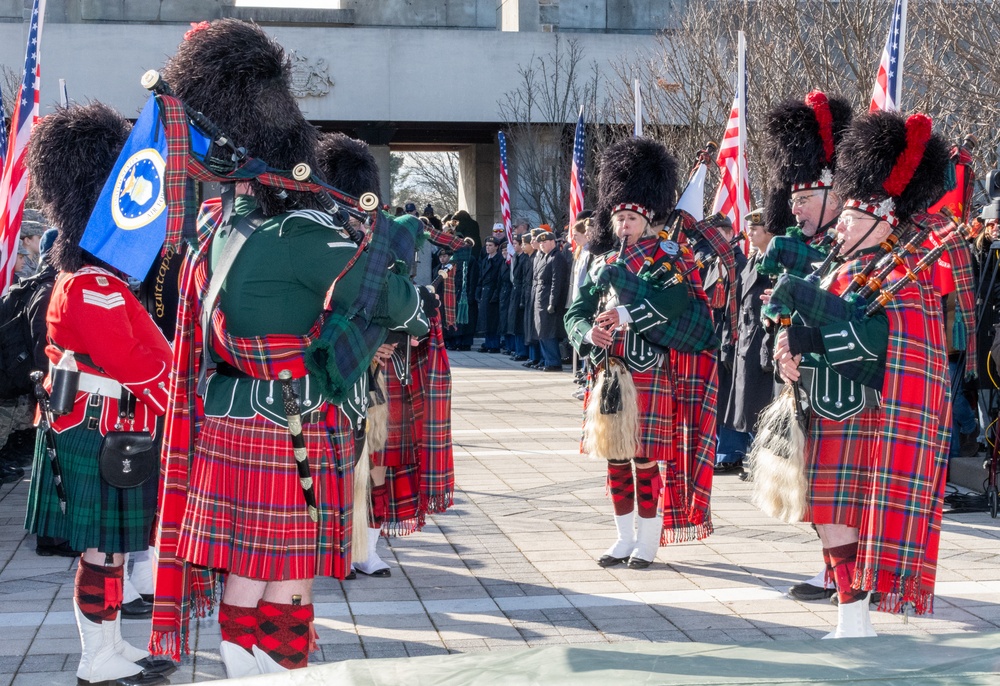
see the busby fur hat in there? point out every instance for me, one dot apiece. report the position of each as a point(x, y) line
point(636, 171)
point(239, 77)
point(348, 165)
point(71, 153)
point(891, 166)
point(800, 149)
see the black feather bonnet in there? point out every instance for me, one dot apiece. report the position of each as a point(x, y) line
point(637, 171)
point(239, 77)
point(886, 156)
point(800, 149)
point(71, 154)
point(348, 165)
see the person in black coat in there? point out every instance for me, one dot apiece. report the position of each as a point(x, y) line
point(488, 296)
point(530, 333)
point(753, 371)
point(551, 285)
point(520, 266)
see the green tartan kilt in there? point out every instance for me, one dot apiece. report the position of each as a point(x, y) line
point(112, 520)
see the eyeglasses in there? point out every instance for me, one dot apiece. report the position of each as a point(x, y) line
point(800, 200)
point(847, 221)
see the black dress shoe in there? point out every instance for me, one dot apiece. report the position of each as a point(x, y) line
point(519, 358)
point(10, 473)
point(552, 368)
point(137, 609)
point(494, 350)
point(378, 574)
point(463, 348)
point(157, 665)
point(143, 678)
point(808, 592)
point(728, 467)
point(59, 549)
point(352, 576)
point(610, 561)
point(638, 563)
point(483, 350)
point(530, 364)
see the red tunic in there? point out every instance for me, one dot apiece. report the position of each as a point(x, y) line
point(93, 313)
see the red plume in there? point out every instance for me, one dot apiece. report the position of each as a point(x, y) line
point(918, 132)
point(195, 28)
point(821, 108)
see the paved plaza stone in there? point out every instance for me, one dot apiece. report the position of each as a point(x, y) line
point(512, 564)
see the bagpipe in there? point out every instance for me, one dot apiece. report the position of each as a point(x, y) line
point(349, 338)
point(213, 156)
point(777, 456)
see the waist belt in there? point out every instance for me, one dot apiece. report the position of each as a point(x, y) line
point(226, 369)
point(101, 385)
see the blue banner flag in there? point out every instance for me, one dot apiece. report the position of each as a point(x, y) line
point(129, 222)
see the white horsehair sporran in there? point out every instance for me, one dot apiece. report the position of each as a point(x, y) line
point(611, 425)
point(777, 460)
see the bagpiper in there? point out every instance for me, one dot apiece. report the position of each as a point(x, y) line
point(236, 499)
point(874, 376)
point(650, 410)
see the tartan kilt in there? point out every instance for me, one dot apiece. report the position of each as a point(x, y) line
point(112, 520)
point(839, 467)
point(399, 457)
point(245, 510)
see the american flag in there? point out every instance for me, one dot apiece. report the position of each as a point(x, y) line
point(14, 183)
point(889, 80)
point(576, 173)
point(505, 195)
point(733, 195)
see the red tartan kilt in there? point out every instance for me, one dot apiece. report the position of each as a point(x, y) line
point(655, 397)
point(245, 511)
point(839, 467)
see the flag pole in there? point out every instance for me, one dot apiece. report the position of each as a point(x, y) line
point(637, 130)
point(898, 95)
point(741, 161)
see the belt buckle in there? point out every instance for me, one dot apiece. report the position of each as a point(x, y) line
point(95, 400)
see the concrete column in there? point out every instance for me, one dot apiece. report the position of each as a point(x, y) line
point(479, 185)
point(520, 15)
point(381, 154)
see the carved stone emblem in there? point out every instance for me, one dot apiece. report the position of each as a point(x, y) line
point(310, 77)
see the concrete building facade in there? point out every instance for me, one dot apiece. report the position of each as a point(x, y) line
point(400, 74)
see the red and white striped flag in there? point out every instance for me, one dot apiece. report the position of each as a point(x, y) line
point(505, 197)
point(732, 198)
point(889, 78)
point(576, 174)
point(14, 182)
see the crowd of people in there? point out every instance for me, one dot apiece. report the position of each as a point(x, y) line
point(293, 407)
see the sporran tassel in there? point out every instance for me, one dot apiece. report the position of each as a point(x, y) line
point(612, 435)
point(362, 496)
point(378, 413)
point(611, 396)
point(777, 460)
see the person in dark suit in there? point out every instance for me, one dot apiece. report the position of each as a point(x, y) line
point(488, 296)
point(530, 333)
point(551, 285)
point(753, 369)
